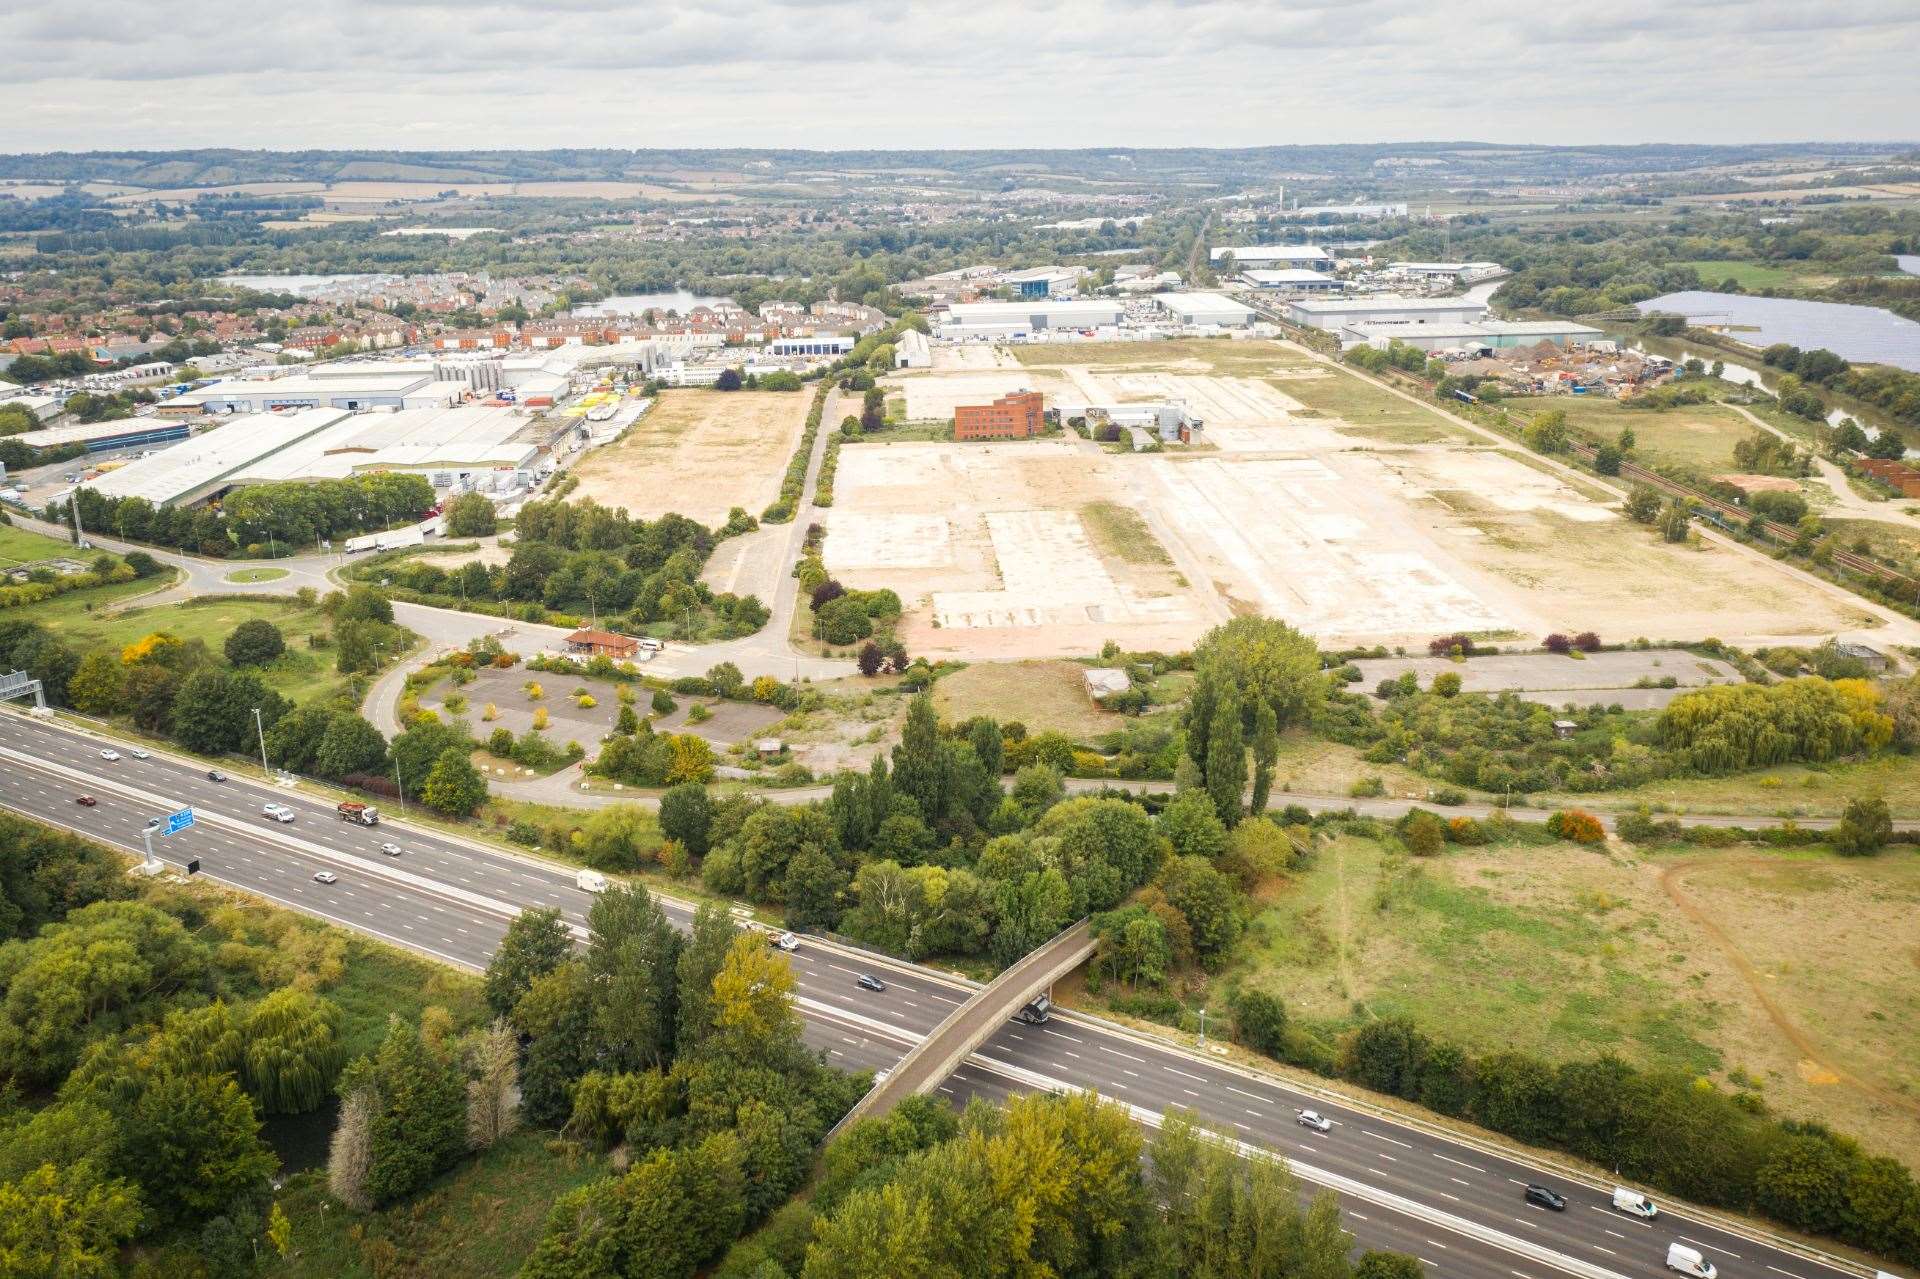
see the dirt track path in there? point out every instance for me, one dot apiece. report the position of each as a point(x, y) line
point(1803, 1043)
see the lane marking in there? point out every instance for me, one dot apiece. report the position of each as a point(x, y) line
point(1057, 1035)
point(1371, 1133)
point(1183, 1074)
point(1717, 1248)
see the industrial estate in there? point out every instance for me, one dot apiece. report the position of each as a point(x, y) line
point(1280, 712)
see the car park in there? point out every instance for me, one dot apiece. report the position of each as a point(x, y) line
point(869, 982)
point(390, 849)
point(85, 801)
point(1313, 1119)
point(1546, 1197)
point(325, 877)
point(109, 754)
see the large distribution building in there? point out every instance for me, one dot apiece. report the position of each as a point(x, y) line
point(1304, 257)
point(1334, 314)
point(98, 437)
point(456, 448)
point(1201, 309)
point(1492, 335)
point(973, 320)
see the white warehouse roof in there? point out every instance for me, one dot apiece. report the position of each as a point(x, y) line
point(465, 438)
point(198, 467)
point(1205, 308)
point(1245, 253)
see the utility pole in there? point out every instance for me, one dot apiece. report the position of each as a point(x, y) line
point(73, 505)
point(402, 785)
point(261, 729)
point(1203, 1029)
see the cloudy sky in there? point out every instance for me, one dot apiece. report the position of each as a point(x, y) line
point(280, 74)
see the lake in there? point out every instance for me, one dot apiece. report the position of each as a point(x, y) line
point(1870, 334)
point(640, 303)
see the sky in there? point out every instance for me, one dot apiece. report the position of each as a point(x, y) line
point(831, 74)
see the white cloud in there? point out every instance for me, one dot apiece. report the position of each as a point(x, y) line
point(125, 74)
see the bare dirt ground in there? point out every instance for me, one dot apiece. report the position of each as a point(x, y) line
point(932, 394)
point(1319, 500)
point(699, 453)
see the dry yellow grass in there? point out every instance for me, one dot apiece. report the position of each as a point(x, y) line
point(699, 453)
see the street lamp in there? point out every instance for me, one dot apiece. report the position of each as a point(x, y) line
point(1203, 1028)
point(261, 729)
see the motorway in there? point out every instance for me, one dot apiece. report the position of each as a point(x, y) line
point(1455, 1204)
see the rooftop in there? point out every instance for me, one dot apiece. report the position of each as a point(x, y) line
point(213, 458)
point(1384, 302)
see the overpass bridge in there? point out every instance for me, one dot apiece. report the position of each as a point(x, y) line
point(970, 1025)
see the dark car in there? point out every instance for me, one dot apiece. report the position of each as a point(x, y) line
point(215, 775)
point(869, 982)
point(85, 801)
point(1547, 1197)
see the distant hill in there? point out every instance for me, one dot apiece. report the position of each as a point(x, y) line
point(1457, 161)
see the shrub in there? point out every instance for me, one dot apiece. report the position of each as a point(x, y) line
point(1587, 642)
point(662, 702)
point(1424, 834)
point(1367, 788)
point(1557, 643)
point(500, 743)
point(1577, 825)
point(1260, 1021)
point(1447, 684)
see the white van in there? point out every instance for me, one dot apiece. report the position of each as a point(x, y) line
point(1688, 1261)
point(590, 881)
point(1634, 1203)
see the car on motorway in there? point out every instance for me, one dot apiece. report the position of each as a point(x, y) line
point(1546, 1197)
point(279, 812)
point(137, 753)
point(155, 823)
point(85, 801)
point(869, 982)
point(787, 942)
point(390, 849)
point(1313, 1119)
point(1689, 1261)
point(325, 877)
point(215, 775)
point(109, 753)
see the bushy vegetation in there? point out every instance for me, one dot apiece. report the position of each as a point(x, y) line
point(262, 517)
point(580, 558)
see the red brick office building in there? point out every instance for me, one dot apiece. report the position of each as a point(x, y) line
point(1014, 416)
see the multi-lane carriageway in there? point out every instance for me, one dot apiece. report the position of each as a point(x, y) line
point(1454, 1203)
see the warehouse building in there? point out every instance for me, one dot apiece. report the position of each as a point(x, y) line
point(99, 437)
point(1018, 415)
point(1293, 281)
point(1334, 314)
point(1444, 272)
point(206, 465)
point(829, 344)
point(966, 321)
point(455, 448)
point(1202, 309)
point(1303, 257)
point(1040, 281)
point(1370, 211)
point(365, 387)
point(911, 351)
point(1169, 420)
point(1490, 335)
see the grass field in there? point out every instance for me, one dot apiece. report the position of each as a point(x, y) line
point(299, 673)
point(1045, 696)
point(1218, 355)
point(1567, 952)
point(1898, 542)
point(1758, 275)
point(1787, 790)
point(257, 575)
point(1120, 532)
point(18, 546)
point(1370, 412)
point(1696, 435)
point(480, 1220)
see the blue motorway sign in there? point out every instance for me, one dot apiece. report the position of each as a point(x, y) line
point(177, 822)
